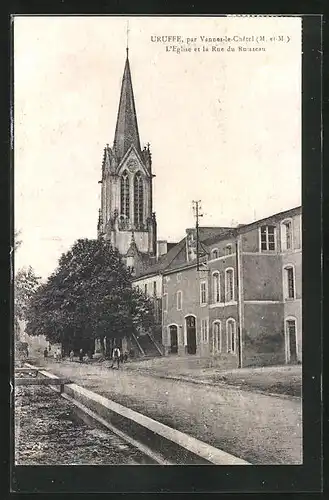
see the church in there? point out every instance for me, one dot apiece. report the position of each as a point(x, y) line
point(126, 216)
point(243, 308)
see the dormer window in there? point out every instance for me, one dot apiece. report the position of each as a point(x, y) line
point(215, 253)
point(228, 249)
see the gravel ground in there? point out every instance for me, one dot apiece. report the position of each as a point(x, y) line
point(259, 428)
point(48, 432)
point(271, 379)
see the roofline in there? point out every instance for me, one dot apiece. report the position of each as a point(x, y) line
point(246, 227)
point(146, 276)
point(183, 266)
point(269, 217)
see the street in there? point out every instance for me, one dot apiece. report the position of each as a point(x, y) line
point(259, 428)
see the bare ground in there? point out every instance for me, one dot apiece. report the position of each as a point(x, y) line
point(48, 432)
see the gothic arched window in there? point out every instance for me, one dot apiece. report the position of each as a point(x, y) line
point(138, 200)
point(125, 201)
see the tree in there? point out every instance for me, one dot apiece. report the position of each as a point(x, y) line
point(25, 286)
point(88, 296)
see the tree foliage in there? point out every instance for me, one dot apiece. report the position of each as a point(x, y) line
point(25, 285)
point(89, 295)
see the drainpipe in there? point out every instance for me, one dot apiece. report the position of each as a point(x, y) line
point(239, 284)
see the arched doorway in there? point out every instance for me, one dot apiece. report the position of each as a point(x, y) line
point(173, 339)
point(291, 341)
point(191, 334)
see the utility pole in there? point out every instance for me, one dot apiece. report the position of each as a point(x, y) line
point(197, 213)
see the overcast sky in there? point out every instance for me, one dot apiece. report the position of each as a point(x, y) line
point(224, 127)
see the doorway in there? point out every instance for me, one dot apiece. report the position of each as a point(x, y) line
point(291, 340)
point(191, 334)
point(173, 339)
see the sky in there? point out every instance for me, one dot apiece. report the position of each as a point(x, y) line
point(224, 126)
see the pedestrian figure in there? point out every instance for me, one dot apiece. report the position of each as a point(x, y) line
point(81, 355)
point(71, 355)
point(116, 357)
point(45, 353)
point(125, 357)
point(59, 354)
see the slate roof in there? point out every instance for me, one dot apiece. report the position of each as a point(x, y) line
point(166, 260)
point(126, 131)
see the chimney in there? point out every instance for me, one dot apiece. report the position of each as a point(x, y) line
point(162, 248)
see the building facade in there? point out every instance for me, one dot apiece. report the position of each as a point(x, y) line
point(244, 305)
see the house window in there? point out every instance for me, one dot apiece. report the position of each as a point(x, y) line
point(228, 249)
point(217, 336)
point(267, 238)
point(286, 235)
point(165, 302)
point(203, 292)
point(145, 288)
point(214, 254)
point(125, 201)
point(179, 277)
point(179, 300)
point(216, 286)
point(229, 285)
point(204, 331)
point(138, 200)
point(154, 288)
point(231, 335)
point(289, 284)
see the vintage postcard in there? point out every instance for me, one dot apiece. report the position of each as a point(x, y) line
point(158, 240)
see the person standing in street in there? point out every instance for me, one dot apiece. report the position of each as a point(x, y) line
point(116, 357)
point(81, 355)
point(71, 355)
point(45, 353)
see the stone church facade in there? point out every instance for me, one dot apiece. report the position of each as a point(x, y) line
point(126, 216)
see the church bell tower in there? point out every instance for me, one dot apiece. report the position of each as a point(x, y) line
point(126, 216)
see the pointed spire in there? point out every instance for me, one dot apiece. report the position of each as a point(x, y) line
point(126, 131)
point(127, 48)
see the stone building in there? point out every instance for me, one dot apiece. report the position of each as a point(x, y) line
point(244, 305)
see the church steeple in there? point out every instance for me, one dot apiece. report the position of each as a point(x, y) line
point(126, 131)
point(126, 196)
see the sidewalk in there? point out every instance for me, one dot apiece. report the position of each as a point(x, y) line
point(281, 381)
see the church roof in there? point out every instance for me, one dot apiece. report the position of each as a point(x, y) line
point(126, 131)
